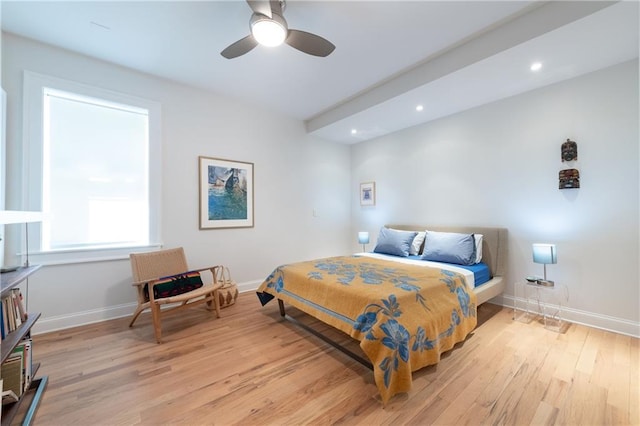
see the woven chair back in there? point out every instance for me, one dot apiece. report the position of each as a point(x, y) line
point(157, 264)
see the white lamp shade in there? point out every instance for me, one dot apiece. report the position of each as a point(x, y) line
point(545, 253)
point(363, 237)
point(16, 216)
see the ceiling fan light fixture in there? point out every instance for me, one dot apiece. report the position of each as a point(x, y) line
point(269, 28)
point(268, 32)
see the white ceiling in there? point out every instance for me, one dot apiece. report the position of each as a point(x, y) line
point(389, 57)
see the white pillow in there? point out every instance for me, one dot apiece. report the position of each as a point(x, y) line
point(478, 238)
point(417, 243)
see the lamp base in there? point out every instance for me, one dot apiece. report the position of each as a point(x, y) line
point(545, 283)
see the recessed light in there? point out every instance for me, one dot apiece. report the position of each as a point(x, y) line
point(354, 131)
point(536, 66)
point(419, 108)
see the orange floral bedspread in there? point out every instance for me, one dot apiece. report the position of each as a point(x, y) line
point(404, 316)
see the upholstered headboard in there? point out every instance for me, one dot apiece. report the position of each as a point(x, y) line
point(494, 252)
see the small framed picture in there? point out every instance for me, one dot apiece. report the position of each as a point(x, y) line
point(368, 194)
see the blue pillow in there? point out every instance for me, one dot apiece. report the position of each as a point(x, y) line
point(450, 247)
point(395, 242)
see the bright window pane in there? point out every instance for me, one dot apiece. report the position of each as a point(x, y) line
point(95, 173)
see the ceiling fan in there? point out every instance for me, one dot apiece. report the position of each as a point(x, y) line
point(269, 28)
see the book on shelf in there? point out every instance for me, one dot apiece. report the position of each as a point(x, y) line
point(12, 375)
point(7, 308)
point(27, 367)
point(3, 321)
point(22, 313)
point(8, 396)
point(13, 312)
point(16, 310)
point(17, 369)
point(7, 313)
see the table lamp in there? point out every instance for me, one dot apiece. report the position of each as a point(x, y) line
point(545, 254)
point(363, 238)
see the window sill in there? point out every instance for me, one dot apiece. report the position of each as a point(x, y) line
point(64, 257)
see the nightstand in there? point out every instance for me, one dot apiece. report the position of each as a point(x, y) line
point(532, 299)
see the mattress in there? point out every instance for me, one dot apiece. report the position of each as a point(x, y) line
point(481, 273)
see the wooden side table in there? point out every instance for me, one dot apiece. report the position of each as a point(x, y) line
point(534, 300)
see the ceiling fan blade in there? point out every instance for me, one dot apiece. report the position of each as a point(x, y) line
point(262, 7)
point(276, 7)
point(240, 47)
point(309, 43)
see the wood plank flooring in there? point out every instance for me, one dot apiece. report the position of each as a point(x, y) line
point(250, 367)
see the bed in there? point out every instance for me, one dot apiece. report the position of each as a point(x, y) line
point(405, 311)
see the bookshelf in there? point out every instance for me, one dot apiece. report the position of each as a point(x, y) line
point(9, 281)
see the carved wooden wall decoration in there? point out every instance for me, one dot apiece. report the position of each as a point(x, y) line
point(569, 178)
point(569, 151)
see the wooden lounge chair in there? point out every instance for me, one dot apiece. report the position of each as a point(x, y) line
point(163, 278)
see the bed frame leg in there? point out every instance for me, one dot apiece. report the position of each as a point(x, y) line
point(281, 305)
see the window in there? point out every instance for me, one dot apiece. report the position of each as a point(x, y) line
point(93, 167)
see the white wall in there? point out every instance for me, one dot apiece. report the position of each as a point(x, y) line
point(294, 174)
point(2, 156)
point(497, 165)
point(494, 165)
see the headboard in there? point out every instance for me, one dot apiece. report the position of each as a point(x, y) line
point(494, 243)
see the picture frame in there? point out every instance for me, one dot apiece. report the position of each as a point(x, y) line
point(226, 193)
point(368, 194)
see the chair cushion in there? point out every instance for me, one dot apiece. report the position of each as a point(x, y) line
point(175, 285)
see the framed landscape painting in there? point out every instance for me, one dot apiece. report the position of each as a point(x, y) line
point(226, 193)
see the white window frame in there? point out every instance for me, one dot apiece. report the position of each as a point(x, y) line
point(34, 85)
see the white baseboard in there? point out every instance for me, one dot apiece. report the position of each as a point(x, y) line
point(589, 319)
point(250, 286)
point(61, 322)
point(603, 322)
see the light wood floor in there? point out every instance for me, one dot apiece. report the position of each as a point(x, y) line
point(252, 368)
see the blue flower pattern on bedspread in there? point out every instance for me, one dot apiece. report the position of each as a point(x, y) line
point(384, 321)
point(369, 273)
point(277, 284)
point(396, 337)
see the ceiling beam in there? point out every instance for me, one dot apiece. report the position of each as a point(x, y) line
point(533, 22)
